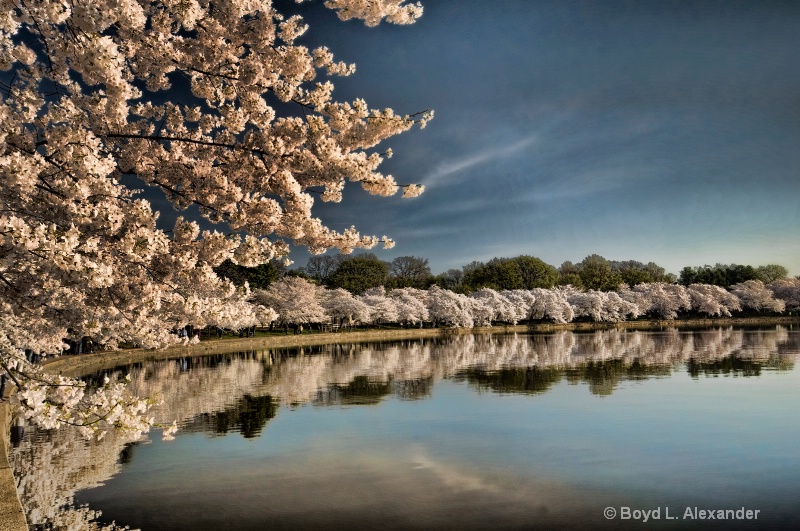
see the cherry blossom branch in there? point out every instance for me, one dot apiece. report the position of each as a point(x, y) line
point(9, 373)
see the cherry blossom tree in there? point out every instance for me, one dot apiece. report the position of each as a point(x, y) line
point(587, 304)
point(295, 299)
point(552, 304)
point(452, 309)
point(411, 305)
point(617, 308)
point(489, 305)
point(661, 299)
point(787, 290)
point(343, 306)
point(754, 295)
point(713, 300)
point(218, 106)
point(636, 299)
point(521, 301)
point(601, 306)
point(382, 309)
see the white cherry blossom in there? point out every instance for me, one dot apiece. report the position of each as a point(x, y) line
point(754, 295)
point(217, 106)
point(787, 290)
point(713, 300)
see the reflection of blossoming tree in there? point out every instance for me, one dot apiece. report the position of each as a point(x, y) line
point(188, 387)
point(49, 473)
point(299, 379)
point(186, 98)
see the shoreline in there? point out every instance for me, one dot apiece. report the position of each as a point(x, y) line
point(82, 364)
point(12, 517)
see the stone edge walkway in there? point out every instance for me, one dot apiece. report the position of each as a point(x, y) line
point(12, 517)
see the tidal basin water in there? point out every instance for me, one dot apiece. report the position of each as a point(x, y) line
point(470, 432)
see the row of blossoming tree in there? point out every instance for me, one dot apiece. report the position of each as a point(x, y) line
point(297, 300)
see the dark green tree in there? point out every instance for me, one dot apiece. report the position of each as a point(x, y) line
point(771, 273)
point(719, 275)
point(358, 273)
point(741, 273)
point(568, 275)
point(302, 274)
point(634, 272)
point(596, 273)
point(529, 380)
point(359, 391)
point(504, 273)
point(410, 272)
point(659, 274)
point(689, 275)
point(451, 279)
point(535, 272)
point(259, 277)
point(471, 273)
point(497, 273)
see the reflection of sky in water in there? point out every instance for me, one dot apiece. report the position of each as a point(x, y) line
point(468, 456)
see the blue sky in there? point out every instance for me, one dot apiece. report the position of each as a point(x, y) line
point(662, 131)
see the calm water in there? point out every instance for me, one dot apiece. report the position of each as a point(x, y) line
point(475, 432)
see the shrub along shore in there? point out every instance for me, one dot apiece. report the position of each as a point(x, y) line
point(12, 517)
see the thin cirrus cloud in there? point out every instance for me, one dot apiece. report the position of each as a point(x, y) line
point(451, 168)
point(585, 183)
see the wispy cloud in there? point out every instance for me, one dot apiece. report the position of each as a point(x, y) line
point(450, 476)
point(580, 185)
point(453, 167)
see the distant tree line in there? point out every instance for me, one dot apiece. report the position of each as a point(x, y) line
point(527, 272)
point(726, 275)
point(359, 272)
point(300, 301)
